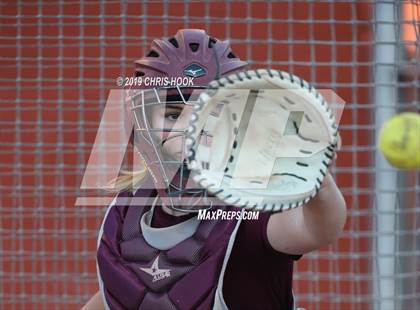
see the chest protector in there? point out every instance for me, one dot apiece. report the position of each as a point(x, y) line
point(134, 274)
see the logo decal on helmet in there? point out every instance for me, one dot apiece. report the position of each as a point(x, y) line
point(194, 70)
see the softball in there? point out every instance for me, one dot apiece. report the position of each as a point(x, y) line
point(399, 141)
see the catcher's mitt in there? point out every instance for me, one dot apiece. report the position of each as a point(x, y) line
point(261, 139)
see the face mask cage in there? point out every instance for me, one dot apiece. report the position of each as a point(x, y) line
point(162, 141)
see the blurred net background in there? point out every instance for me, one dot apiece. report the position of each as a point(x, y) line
point(59, 59)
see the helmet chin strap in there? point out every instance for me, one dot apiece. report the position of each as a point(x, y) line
point(179, 191)
point(169, 202)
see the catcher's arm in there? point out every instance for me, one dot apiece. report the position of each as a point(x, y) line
point(270, 154)
point(311, 226)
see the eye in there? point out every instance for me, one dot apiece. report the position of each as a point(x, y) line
point(172, 116)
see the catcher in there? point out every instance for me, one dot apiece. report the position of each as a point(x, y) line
point(161, 256)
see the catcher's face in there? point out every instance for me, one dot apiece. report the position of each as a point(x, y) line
point(161, 119)
point(172, 120)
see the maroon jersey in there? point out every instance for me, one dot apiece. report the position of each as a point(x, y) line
point(257, 276)
point(189, 264)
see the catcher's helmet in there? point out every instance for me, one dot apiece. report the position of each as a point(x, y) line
point(190, 53)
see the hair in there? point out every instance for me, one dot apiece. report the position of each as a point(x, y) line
point(128, 180)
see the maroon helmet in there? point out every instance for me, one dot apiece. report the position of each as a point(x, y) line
point(190, 53)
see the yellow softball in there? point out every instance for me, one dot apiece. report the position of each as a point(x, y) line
point(399, 141)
